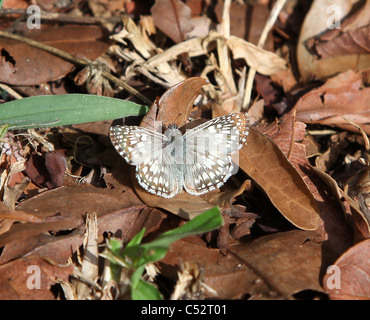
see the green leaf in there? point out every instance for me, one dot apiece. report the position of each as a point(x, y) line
point(136, 277)
point(142, 254)
point(145, 291)
point(115, 245)
point(136, 239)
point(207, 221)
point(156, 250)
point(52, 111)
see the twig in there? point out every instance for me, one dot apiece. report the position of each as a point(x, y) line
point(225, 24)
point(223, 53)
point(84, 62)
point(10, 91)
point(252, 72)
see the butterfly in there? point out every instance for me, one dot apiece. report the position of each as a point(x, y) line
point(198, 161)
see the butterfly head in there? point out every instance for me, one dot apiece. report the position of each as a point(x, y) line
point(173, 132)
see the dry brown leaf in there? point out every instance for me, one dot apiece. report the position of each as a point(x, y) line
point(53, 248)
point(361, 224)
point(173, 18)
point(333, 226)
point(249, 269)
point(177, 102)
point(343, 95)
point(263, 161)
point(350, 42)
point(70, 205)
point(316, 22)
point(21, 64)
point(18, 279)
point(265, 62)
point(353, 272)
point(223, 273)
point(295, 265)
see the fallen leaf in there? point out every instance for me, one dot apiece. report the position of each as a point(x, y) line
point(173, 18)
point(71, 205)
point(265, 62)
point(177, 102)
point(19, 279)
point(317, 21)
point(48, 170)
point(263, 161)
point(333, 227)
point(353, 272)
point(350, 42)
point(271, 93)
point(286, 261)
point(250, 269)
point(343, 95)
point(21, 64)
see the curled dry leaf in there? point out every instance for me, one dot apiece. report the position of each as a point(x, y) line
point(265, 62)
point(48, 170)
point(350, 42)
point(349, 277)
point(343, 95)
point(361, 223)
point(176, 103)
point(316, 22)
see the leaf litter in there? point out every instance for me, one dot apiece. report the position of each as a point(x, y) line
point(301, 195)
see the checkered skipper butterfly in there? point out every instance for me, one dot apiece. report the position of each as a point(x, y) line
point(198, 161)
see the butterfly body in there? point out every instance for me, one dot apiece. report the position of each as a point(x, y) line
point(198, 161)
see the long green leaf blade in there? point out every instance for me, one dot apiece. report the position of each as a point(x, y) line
point(52, 111)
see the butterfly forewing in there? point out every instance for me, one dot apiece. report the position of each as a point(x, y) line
point(136, 144)
point(227, 133)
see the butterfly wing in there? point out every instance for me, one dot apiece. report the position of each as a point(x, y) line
point(208, 152)
point(158, 178)
point(144, 148)
point(136, 144)
point(204, 177)
point(228, 132)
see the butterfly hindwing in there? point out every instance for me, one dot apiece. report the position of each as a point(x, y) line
point(158, 178)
